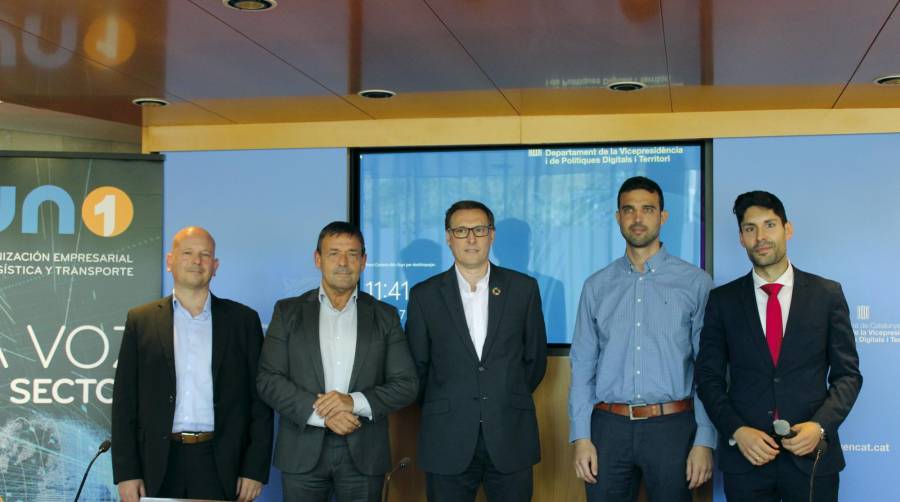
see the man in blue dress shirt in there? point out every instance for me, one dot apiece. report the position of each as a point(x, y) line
point(186, 419)
point(632, 410)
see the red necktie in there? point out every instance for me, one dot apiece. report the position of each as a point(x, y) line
point(774, 329)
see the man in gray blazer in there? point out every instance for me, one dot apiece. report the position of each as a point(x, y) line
point(334, 365)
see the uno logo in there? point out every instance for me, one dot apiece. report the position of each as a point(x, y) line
point(107, 211)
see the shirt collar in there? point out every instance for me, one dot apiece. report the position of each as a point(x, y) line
point(464, 284)
point(323, 299)
point(204, 314)
point(651, 264)
point(786, 279)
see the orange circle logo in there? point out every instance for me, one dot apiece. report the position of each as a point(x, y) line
point(107, 211)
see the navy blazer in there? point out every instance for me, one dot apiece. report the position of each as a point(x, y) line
point(461, 394)
point(817, 377)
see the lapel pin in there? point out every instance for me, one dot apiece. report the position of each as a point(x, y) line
point(495, 291)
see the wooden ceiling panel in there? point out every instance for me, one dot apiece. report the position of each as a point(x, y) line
point(487, 103)
point(176, 46)
point(305, 61)
point(42, 75)
point(883, 59)
point(530, 47)
point(764, 46)
point(350, 45)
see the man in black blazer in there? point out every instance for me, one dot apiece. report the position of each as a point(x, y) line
point(478, 340)
point(784, 336)
point(186, 420)
point(334, 365)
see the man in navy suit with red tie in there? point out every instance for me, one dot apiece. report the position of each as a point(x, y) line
point(784, 338)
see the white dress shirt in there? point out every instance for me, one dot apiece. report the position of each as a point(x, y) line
point(337, 342)
point(475, 305)
point(193, 369)
point(784, 296)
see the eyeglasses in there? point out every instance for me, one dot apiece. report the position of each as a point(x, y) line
point(463, 232)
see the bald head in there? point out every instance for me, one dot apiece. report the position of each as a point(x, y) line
point(192, 260)
point(198, 232)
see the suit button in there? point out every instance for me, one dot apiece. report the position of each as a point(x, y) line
point(171, 398)
point(481, 368)
point(777, 380)
point(484, 398)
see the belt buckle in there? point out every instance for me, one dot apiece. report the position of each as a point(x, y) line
point(631, 408)
point(190, 437)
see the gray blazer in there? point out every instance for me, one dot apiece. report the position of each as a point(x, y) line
point(291, 374)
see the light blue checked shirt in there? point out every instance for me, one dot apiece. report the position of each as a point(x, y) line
point(636, 337)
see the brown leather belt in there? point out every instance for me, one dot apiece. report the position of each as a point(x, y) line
point(191, 437)
point(645, 411)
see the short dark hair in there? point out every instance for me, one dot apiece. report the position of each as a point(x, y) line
point(467, 204)
point(640, 183)
point(340, 228)
point(761, 199)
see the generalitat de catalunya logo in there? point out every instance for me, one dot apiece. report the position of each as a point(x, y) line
point(107, 211)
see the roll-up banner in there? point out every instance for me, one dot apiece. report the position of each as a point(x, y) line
point(80, 244)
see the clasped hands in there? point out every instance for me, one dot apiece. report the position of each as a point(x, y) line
point(760, 448)
point(337, 410)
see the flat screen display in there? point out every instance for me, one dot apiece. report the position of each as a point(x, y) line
point(554, 210)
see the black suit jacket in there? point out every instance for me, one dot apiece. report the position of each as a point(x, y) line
point(817, 378)
point(144, 396)
point(462, 393)
point(291, 375)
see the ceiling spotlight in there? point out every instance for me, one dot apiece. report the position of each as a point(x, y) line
point(625, 86)
point(149, 102)
point(888, 80)
point(377, 93)
point(250, 5)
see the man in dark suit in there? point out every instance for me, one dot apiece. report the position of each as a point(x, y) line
point(478, 340)
point(186, 420)
point(334, 365)
point(784, 336)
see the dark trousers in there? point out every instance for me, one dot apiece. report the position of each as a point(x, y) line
point(779, 480)
point(654, 450)
point(334, 474)
point(516, 486)
point(191, 473)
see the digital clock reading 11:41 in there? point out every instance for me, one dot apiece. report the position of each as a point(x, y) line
point(385, 290)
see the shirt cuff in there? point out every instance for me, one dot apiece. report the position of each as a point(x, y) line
point(361, 406)
point(579, 429)
point(706, 436)
point(315, 420)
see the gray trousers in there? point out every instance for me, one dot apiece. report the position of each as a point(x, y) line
point(334, 474)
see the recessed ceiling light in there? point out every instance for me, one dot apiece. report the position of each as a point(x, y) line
point(888, 80)
point(150, 102)
point(625, 86)
point(250, 5)
point(377, 93)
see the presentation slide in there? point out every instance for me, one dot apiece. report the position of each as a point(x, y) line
point(554, 212)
